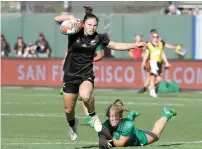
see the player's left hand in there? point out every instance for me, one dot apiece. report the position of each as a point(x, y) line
point(143, 66)
point(141, 44)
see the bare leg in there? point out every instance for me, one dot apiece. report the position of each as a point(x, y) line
point(146, 82)
point(159, 125)
point(155, 134)
point(85, 110)
point(85, 91)
point(69, 105)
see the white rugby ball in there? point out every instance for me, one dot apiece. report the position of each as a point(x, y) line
point(69, 28)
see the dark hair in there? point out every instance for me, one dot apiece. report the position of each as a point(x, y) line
point(153, 31)
point(20, 37)
point(2, 36)
point(89, 14)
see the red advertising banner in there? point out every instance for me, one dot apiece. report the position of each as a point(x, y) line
point(109, 74)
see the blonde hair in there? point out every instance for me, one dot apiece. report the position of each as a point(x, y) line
point(117, 108)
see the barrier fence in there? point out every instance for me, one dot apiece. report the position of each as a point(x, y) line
point(108, 73)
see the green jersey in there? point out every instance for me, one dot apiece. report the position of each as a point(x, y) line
point(125, 128)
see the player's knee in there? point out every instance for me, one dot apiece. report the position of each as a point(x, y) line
point(158, 79)
point(85, 97)
point(69, 109)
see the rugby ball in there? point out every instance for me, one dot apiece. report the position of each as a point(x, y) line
point(69, 28)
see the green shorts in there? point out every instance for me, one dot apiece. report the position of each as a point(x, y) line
point(141, 135)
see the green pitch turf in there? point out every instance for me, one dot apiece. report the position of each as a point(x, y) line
point(34, 119)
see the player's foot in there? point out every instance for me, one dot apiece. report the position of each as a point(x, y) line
point(96, 123)
point(88, 119)
point(169, 113)
point(61, 91)
point(73, 130)
point(152, 93)
point(133, 115)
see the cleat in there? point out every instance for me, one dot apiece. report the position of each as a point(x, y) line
point(61, 91)
point(133, 115)
point(96, 123)
point(152, 93)
point(88, 119)
point(73, 130)
point(169, 113)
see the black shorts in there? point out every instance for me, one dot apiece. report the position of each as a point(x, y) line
point(72, 84)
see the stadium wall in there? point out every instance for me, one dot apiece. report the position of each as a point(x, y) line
point(108, 73)
point(120, 27)
point(197, 54)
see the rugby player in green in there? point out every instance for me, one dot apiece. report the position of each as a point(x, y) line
point(98, 57)
point(120, 132)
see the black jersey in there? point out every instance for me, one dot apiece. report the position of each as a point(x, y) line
point(81, 51)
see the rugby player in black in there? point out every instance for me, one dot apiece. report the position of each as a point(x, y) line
point(78, 67)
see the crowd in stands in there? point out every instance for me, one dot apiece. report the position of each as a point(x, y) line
point(39, 48)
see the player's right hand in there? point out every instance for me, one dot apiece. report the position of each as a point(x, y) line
point(109, 143)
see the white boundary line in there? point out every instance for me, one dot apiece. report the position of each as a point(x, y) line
point(103, 96)
point(46, 115)
point(107, 103)
point(92, 143)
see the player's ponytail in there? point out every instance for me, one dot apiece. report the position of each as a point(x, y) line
point(117, 107)
point(88, 10)
point(89, 14)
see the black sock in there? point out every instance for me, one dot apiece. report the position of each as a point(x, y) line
point(71, 123)
point(92, 113)
point(144, 89)
point(156, 90)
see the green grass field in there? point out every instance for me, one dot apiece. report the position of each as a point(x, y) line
point(34, 119)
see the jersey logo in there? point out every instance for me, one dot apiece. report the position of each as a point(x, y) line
point(84, 45)
point(64, 85)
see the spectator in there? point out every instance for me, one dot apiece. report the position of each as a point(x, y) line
point(172, 10)
point(196, 11)
point(30, 51)
point(5, 47)
point(190, 11)
point(43, 49)
point(136, 53)
point(19, 47)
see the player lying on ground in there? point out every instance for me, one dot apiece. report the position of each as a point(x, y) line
point(121, 132)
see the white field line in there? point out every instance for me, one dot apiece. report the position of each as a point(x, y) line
point(46, 115)
point(107, 103)
point(102, 96)
point(91, 143)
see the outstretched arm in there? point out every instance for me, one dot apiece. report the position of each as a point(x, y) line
point(169, 46)
point(124, 46)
